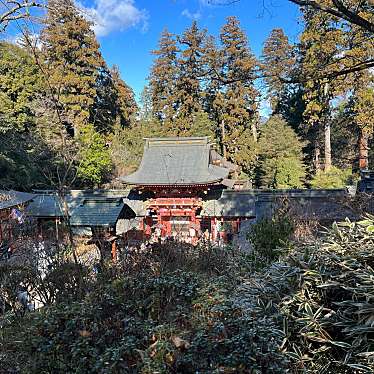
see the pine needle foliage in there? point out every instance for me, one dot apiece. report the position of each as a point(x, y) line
point(73, 60)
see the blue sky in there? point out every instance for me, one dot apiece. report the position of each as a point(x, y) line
point(128, 30)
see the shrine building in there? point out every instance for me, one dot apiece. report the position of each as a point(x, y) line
point(181, 181)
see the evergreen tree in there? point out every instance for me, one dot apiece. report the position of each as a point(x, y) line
point(162, 80)
point(279, 68)
point(236, 104)
point(73, 61)
point(291, 106)
point(127, 144)
point(114, 101)
point(201, 125)
point(332, 178)
point(190, 69)
point(94, 157)
point(321, 44)
point(280, 154)
point(20, 84)
point(344, 138)
point(104, 111)
point(146, 108)
point(126, 104)
point(278, 64)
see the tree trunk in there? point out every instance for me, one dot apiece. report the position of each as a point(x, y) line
point(317, 163)
point(363, 150)
point(223, 134)
point(327, 130)
point(328, 162)
point(65, 208)
point(254, 131)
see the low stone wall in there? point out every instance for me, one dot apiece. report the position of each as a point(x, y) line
point(319, 205)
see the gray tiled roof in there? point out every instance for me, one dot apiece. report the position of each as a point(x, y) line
point(11, 198)
point(45, 205)
point(97, 212)
point(231, 204)
point(366, 184)
point(176, 161)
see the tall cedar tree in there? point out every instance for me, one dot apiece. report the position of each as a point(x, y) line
point(103, 112)
point(363, 109)
point(126, 104)
point(73, 61)
point(359, 46)
point(280, 154)
point(114, 102)
point(236, 102)
point(190, 69)
point(321, 45)
point(162, 80)
point(146, 107)
point(277, 64)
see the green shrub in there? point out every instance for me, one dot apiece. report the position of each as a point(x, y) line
point(311, 311)
point(329, 316)
point(280, 155)
point(94, 159)
point(333, 178)
point(267, 235)
point(160, 312)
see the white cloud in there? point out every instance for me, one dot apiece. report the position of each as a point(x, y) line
point(19, 39)
point(115, 15)
point(188, 14)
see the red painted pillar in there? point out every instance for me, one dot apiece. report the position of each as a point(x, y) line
point(148, 225)
point(114, 251)
point(213, 228)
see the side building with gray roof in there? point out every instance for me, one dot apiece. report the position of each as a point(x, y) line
point(89, 210)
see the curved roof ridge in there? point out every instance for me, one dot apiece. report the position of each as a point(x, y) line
point(176, 161)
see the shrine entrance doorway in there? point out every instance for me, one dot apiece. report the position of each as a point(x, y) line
point(176, 218)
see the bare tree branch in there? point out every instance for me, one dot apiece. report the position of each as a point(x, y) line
point(338, 10)
point(12, 10)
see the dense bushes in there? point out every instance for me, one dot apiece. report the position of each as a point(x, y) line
point(171, 309)
point(330, 314)
point(267, 236)
point(185, 310)
point(333, 178)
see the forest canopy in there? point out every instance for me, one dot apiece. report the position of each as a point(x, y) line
point(67, 119)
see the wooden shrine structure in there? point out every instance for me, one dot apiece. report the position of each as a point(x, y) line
point(177, 175)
